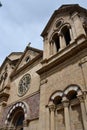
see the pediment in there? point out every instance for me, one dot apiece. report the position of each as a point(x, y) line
point(29, 54)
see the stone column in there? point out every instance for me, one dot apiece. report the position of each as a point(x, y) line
point(54, 48)
point(51, 48)
point(62, 41)
point(71, 35)
point(47, 119)
point(83, 111)
point(52, 116)
point(65, 102)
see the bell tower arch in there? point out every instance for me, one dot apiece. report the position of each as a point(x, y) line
point(68, 26)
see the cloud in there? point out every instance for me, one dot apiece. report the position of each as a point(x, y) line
point(22, 21)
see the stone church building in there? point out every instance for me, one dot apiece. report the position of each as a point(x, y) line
point(47, 90)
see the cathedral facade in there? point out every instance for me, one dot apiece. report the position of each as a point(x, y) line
point(47, 90)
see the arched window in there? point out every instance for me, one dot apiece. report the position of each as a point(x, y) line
point(55, 38)
point(71, 92)
point(57, 97)
point(66, 34)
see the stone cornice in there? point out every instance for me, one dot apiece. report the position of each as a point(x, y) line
point(61, 56)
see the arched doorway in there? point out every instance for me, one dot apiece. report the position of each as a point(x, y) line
point(16, 116)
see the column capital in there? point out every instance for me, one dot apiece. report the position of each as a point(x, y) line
point(81, 98)
point(65, 102)
point(84, 94)
point(51, 106)
point(60, 34)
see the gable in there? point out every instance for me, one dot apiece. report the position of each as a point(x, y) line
point(15, 56)
point(28, 55)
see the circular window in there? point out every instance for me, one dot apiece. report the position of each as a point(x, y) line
point(24, 84)
point(59, 23)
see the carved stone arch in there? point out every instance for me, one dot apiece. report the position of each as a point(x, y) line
point(72, 91)
point(54, 42)
point(65, 32)
point(54, 32)
point(56, 97)
point(17, 107)
point(65, 24)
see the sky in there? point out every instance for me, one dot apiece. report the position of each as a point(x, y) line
point(22, 21)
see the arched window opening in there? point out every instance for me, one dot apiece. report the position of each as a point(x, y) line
point(56, 41)
point(66, 34)
point(72, 95)
point(57, 100)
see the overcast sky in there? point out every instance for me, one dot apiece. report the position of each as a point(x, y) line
point(22, 21)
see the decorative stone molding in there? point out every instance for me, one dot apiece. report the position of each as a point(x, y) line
point(60, 34)
point(65, 102)
point(81, 98)
point(26, 122)
point(75, 88)
point(51, 106)
point(14, 107)
point(58, 93)
point(4, 103)
point(4, 95)
point(44, 81)
point(84, 94)
point(83, 60)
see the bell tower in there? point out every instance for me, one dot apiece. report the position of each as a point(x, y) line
point(63, 84)
point(66, 29)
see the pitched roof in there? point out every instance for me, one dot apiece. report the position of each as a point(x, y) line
point(70, 8)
